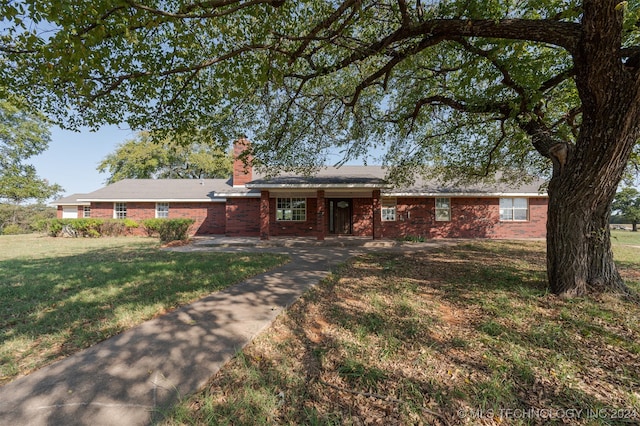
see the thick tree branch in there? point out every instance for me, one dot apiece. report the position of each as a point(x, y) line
point(562, 34)
point(557, 33)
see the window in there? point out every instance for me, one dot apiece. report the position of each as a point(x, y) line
point(293, 209)
point(443, 209)
point(514, 209)
point(388, 209)
point(120, 210)
point(86, 212)
point(162, 210)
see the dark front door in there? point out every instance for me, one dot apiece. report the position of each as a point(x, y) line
point(341, 216)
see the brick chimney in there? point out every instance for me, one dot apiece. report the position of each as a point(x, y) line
point(242, 170)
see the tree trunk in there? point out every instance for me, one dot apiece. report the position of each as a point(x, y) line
point(579, 255)
point(586, 175)
point(634, 227)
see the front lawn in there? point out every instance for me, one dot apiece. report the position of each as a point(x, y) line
point(625, 237)
point(60, 295)
point(459, 335)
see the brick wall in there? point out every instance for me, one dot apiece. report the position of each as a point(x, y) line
point(535, 227)
point(362, 216)
point(283, 228)
point(209, 217)
point(243, 217)
point(470, 218)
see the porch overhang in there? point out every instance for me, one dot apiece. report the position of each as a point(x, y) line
point(319, 183)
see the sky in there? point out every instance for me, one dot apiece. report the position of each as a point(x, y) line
point(72, 157)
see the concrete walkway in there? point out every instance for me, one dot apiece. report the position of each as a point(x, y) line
point(132, 378)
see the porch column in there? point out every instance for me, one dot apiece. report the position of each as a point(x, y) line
point(264, 215)
point(320, 215)
point(376, 225)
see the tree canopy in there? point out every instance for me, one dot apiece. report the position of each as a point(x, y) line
point(144, 158)
point(22, 135)
point(466, 87)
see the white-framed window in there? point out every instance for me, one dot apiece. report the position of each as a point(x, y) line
point(119, 210)
point(86, 211)
point(388, 211)
point(514, 209)
point(162, 210)
point(443, 209)
point(291, 209)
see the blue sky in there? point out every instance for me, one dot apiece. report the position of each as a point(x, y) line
point(72, 157)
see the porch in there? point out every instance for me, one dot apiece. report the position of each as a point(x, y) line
point(320, 214)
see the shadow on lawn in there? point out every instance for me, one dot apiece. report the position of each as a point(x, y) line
point(505, 352)
point(60, 305)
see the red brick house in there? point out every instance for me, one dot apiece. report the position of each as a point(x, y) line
point(351, 200)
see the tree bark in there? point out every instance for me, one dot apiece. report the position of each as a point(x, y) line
point(579, 255)
point(584, 182)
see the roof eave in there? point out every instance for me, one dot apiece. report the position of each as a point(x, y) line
point(153, 200)
point(317, 186)
point(70, 203)
point(463, 194)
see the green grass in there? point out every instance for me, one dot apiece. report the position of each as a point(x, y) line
point(441, 337)
point(58, 296)
point(625, 237)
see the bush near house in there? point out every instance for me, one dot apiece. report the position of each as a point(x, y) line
point(168, 229)
point(87, 227)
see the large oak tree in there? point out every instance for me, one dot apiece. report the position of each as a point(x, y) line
point(146, 158)
point(464, 87)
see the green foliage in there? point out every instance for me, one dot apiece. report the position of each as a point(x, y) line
point(28, 218)
point(627, 202)
point(168, 229)
point(144, 158)
point(152, 226)
point(174, 229)
point(413, 238)
point(22, 135)
point(90, 227)
point(216, 72)
point(12, 229)
point(309, 78)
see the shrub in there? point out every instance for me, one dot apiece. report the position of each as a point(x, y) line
point(117, 227)
point(54, 227)
point(13, 229)
point(90, 227)
point(152, 226)
point(174, 229)
point(86, 227)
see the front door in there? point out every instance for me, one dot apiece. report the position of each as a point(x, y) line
point(341, 214)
